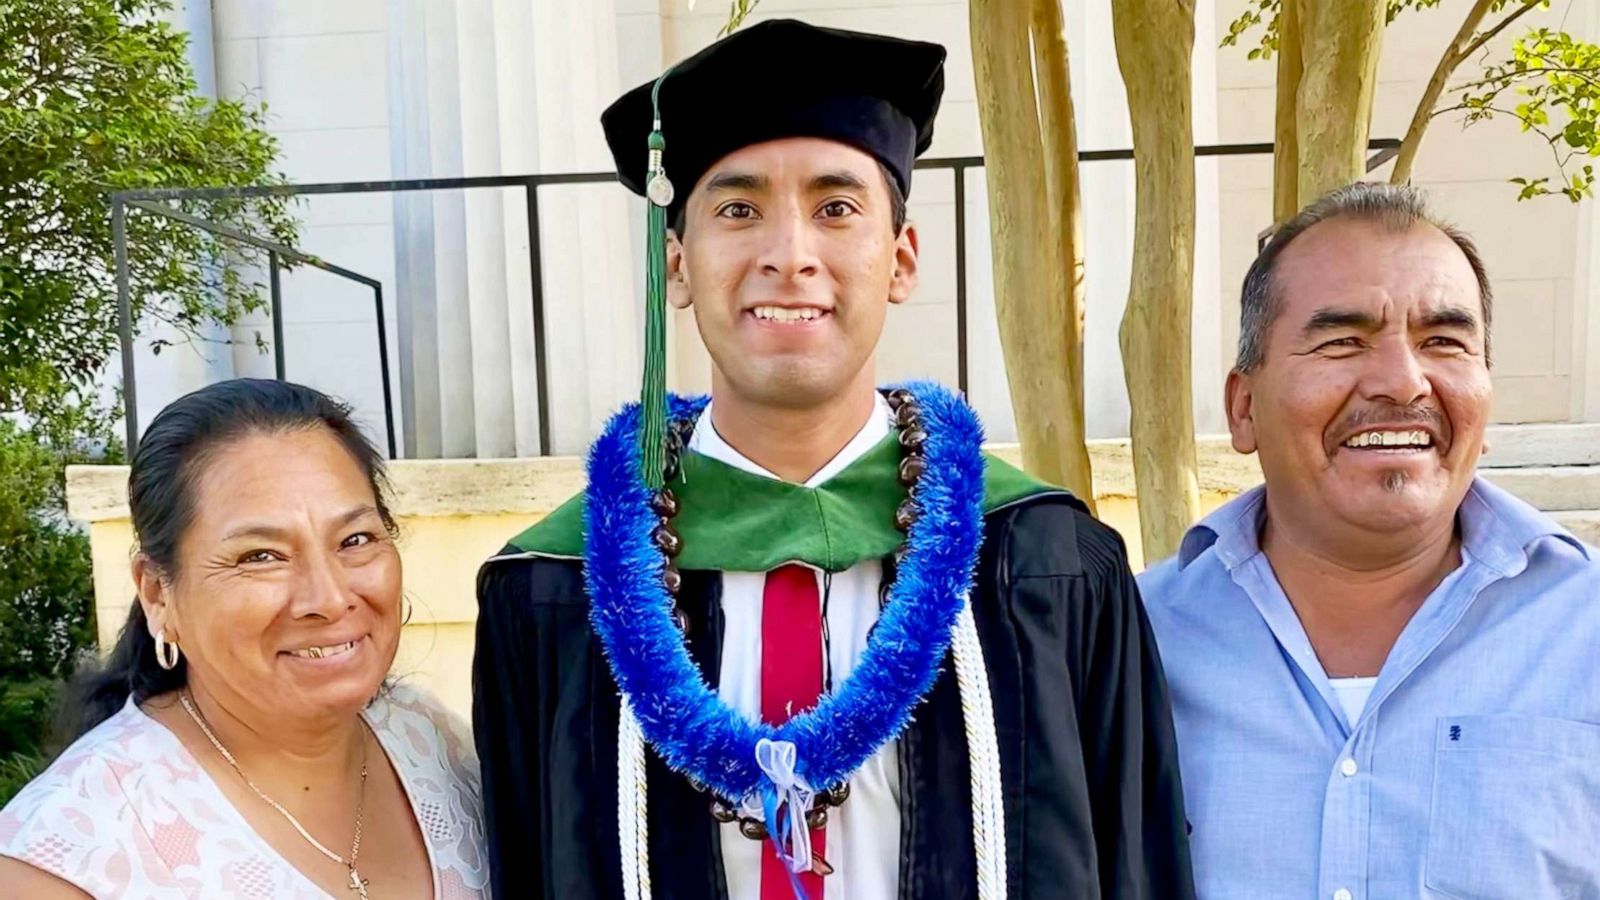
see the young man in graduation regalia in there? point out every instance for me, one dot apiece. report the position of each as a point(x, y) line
point(803, 639)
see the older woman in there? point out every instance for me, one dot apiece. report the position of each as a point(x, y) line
point(241, 741)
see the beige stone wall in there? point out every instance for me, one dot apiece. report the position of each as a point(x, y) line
point(454, 514)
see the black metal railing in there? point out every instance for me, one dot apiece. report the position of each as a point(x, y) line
point(156, 202)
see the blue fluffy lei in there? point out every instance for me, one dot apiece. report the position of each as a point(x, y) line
point(689, 726)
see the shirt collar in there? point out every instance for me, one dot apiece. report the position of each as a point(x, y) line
point(1233, 528)
point(707, 442)
point(1501, 529)
point(1497, 528)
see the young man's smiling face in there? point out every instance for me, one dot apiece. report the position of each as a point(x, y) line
point(790, 258)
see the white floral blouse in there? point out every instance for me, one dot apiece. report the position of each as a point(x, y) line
point(127, 812)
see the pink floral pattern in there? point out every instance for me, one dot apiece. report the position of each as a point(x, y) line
point(127, 812)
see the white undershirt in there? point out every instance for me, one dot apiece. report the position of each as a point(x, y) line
point(863, 836)
point(1353, 694)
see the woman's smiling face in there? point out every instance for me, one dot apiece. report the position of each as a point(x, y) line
point(287, 591)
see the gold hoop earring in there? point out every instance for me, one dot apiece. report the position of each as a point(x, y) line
point(166, 653)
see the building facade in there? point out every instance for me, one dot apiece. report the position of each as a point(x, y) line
point(365, 90)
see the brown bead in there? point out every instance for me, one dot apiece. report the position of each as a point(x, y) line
point(911, 469)
point(680, 619)
point(672, 579)
point(671, 468)
point(837, 795)
point(817, 817)
point(898, 398)
point(664, 503)
point(753, 829)
point(722, 812)
point(901, 553)
point(913, 438)
point(908, 414)
point(905, 515)
point(667, 540)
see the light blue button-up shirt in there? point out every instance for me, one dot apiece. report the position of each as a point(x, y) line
point(1474, 770)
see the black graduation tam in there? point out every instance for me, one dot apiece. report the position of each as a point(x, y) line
point(778, 79)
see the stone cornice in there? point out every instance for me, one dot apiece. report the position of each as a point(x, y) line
point(470, 487)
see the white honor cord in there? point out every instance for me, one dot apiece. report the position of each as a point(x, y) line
point(977, 714)
point(633, 830)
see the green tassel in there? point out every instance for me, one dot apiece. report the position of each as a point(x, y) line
point(653, 393)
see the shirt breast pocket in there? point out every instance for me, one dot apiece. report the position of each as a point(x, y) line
point(1516, 809)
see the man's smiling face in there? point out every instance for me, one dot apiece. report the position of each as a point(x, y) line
point(790, 259)
point(1369, 405)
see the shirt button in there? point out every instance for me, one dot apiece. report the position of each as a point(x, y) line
point(1348, 768)
point(1342, 894)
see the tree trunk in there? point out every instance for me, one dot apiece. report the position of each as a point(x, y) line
point(1339, 45)
point(1063, 190)
point(1286, 150)
point(1154, 40)
point(1029, 275)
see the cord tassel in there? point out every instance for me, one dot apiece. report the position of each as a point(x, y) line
point(653, 393)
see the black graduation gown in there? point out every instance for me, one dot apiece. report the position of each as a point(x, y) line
point(1093, 802)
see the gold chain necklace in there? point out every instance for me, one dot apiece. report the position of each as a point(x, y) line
point(357, 883)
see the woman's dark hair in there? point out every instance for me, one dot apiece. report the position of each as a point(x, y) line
point(165, 469)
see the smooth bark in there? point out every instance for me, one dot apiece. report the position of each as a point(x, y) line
point(1029, 276)
point(1154, 41)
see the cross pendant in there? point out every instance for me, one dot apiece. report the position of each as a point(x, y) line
point(358, 884)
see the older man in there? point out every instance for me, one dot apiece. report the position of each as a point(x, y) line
point(1383, 668)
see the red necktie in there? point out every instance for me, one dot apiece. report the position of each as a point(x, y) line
point(791, 682)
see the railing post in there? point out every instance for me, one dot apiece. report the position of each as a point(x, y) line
point(130, 394)
point(536, 281)
point(277, 315)
point(960, 173)
point(383, 366)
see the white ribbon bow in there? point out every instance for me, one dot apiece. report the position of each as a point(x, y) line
point(787, 788)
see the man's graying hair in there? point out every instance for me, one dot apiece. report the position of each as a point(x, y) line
point(1395, 207)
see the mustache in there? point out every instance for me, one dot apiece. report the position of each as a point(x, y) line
point(1391, 414)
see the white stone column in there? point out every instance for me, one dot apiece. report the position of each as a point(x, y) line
point(430, 229)
point(416, 299)
point(517, 98)
point(511, 87)
point(487, 298)
point(592, 297)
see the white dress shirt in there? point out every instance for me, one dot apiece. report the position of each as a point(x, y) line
point(863, 836)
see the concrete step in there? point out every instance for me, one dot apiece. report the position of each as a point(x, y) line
point(1551, 488)
point(1515, 446)
point(1584, 523)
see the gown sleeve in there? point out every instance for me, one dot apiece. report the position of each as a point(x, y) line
point(1130, 749)
point(532, 711)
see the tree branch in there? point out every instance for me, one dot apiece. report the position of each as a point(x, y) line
point(1423, 114)
point(1489, 35)
point(1586, 75)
